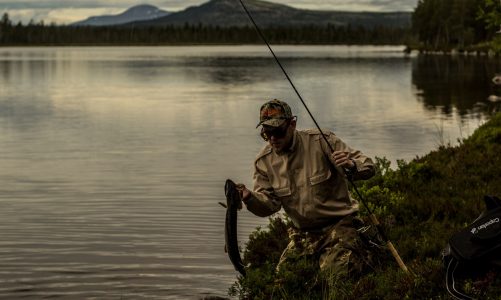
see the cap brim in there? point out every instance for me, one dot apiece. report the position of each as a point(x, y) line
point(272, 123)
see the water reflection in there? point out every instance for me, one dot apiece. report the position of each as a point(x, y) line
point(211, 70)
point(35, 105)
point(239, 70)
point(455, 83)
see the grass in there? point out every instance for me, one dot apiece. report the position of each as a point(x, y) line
point(420, 203)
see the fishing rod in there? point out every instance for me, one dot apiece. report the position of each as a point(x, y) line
point(372, 216)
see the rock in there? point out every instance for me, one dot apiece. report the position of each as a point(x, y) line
point(494, 98)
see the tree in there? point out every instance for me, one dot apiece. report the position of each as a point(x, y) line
point(5, 27)
point(490, 14)
point(446, 24)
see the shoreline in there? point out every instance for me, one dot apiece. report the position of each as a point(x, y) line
point(474, 50)
point(189, 44)
point(406, 48)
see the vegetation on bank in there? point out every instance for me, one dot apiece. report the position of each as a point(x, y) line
point(421, 204)
point(460, 25)
point(41, 34)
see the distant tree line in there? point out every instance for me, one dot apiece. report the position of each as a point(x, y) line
point(41, 34)
point(458, 24)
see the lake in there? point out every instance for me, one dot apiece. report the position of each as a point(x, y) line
point(113, 159)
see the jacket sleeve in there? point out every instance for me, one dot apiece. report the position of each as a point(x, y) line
point(262, 202)
point(364, 165)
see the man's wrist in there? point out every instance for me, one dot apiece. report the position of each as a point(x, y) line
point(246, 198)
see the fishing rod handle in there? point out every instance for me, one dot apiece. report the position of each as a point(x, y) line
point(397, 257)
point(374, 220)
point(392, 248)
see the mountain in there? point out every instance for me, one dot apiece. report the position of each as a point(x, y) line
point(135, 13)
point(230, 13)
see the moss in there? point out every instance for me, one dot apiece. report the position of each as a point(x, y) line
point(420, 204)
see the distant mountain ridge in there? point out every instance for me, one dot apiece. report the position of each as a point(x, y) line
point(227, 13)
point(135, 13)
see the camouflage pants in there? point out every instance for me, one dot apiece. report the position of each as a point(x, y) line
point(339, 248)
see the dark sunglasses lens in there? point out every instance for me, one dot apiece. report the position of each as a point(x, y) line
point(277, 133)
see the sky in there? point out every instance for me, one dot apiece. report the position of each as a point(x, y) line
point(68, 11)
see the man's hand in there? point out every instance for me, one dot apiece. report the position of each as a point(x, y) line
point(244, 192)
point(342, 159)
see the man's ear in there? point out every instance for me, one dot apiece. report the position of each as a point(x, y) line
point(293, 123)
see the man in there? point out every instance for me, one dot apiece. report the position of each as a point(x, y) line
point(297, 171)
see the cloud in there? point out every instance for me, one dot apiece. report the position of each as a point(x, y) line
point(351, 5)
point(70, 15)
point(54, 4)
point(58, 16)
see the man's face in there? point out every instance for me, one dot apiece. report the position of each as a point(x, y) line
point(280, 138)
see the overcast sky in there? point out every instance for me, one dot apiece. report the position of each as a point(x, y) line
point(68, 11)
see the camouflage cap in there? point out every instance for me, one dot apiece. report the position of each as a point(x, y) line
point(274, 113)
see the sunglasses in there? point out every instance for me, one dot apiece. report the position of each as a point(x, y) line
point(277, 132)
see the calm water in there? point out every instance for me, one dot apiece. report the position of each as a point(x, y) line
point(112, 160)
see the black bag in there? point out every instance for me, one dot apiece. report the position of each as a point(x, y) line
point(474, 249)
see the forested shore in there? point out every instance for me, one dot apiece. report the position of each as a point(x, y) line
point(40, 34)
point(457, 26)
